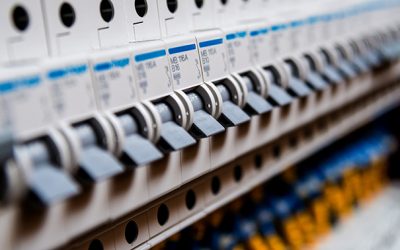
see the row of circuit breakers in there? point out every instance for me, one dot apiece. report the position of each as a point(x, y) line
point(90, 89)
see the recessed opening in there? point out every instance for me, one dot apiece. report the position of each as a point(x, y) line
point(199, 3)
point(276, 151)
point(20, 18)
point(107, 10)
point(237, 173)
point(141, 7)
point(131, 232)
point(308, 132)
point(67, 15)
point(293, 141)
point(162, 214)
point(172, 5)
point(224, 2)
point(215, 185)
point(258, 161)
point(190, 199)
point(96, 245)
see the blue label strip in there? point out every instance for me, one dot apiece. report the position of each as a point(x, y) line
point(150, 55)
point(211, 43)
point(12, 85)
point(181, 49)
point(121, 63)
point(60, 73)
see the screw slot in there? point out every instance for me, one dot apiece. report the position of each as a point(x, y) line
point(96, 245)
point(237, 173)
point(190, 199)
point(107, 10)
point(131, 232)
point(276, 151)
point(67, 15)
point(172, 5)
point(258, 160)
point(141, 7)
point(162, 214)
point(20, 18)
point(215, 185)
point(199, 3)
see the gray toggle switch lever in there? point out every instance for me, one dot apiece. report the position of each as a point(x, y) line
point(6, 145)
point(95, 163)
point(47, 182)
point(277, 95)
point(314, 77)
point(373, 58)
point(256, 104)
point(296, 85)
point(173, 137)
point(316, 81)
point(232, 114)
point(204, 124)
point(332, 75)
point(347, 69)
point(137, 150)
point(361, 64)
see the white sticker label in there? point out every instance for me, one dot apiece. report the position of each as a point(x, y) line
point(26, 100)
point(185, 65)
point(237, 46)
point(153, 74)
point(114, 85)
point(260, 46)
point(71, 91)
point(213, 59)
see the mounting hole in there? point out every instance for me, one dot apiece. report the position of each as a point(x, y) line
point(258, 161)
point(293, 142)
point(107, 10)
point(237, 173)
point(199, 3)
point(131, 232)
point(141, 7)
point(224, 2)
point(67, 15)
point(162, 214)
point(20, 18)
point(172, 5)
point(190, 199)
point(215, 185)
point(276, 151)
point(96, 245)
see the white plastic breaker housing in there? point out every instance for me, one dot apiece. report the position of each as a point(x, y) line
point(109, 22)
point(142, 20)
point(201, 15)
point(70, 26)
point(22, 34)
point(26, 98)
point(174, 17)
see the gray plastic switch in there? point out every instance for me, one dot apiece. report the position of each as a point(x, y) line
point(277, 95)
point(361, 64)
point(316, 81)
point(173, 137)
point(347, 69)
point(232, 114)
point(137, 150)
point(204, 124)
point(332, 75)
point(256, 104)
point(296, 85)
point(95, 163)
point(6, 145)
point(47, 182)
